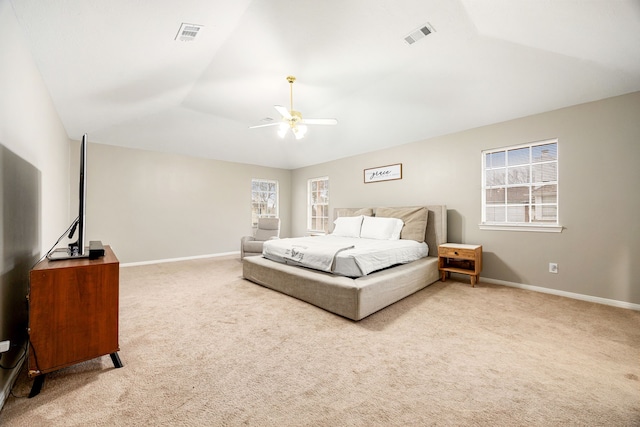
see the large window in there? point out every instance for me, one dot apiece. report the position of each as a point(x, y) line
point(520, 186)
point(264, 199)
point(318, 207)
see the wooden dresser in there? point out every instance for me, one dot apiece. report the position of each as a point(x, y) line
point(73, 313)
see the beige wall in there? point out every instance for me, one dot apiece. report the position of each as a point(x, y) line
point(30, 125)
point(34, 164)
point(155, 206)
point(599, 154)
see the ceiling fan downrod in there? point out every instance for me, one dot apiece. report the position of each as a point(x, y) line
point(296, 116)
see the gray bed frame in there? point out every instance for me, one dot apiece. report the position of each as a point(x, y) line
point(354, 298)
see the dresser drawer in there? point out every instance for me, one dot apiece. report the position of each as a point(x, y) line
point(456, 253)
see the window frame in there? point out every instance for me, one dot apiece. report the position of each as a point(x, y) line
point(311, 205)
point(551, 227)
point(253, 202)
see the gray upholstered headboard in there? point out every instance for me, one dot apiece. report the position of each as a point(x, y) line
point(435, 234)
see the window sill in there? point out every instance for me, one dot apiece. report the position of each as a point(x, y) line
point(523, 227)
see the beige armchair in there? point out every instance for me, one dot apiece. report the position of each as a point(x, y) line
point(268, 228)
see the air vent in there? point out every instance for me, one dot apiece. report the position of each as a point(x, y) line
point(419, 33)
point(188, 32)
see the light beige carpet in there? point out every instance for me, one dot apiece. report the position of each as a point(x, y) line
point(203, 347)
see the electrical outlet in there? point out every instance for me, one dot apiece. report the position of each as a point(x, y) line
point(4, 346)
point(553, 267)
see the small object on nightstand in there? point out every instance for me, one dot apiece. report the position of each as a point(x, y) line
point(460, 258)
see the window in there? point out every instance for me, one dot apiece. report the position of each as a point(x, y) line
point(318, 208)
point(520, 187)
point(264, 199)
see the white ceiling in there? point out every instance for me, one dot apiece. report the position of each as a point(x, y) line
point(115, 71)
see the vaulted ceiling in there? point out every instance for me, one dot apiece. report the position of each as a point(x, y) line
point(115, 70)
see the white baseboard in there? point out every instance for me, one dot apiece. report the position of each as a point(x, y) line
point(9, 384)
point(589, 298)
point(160, 261)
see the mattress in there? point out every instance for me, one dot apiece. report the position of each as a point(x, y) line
point(345, 256)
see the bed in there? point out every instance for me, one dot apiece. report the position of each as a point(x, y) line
point(357, 297)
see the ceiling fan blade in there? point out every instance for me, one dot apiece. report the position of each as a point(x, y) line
point(283, 112)
point(320, 121)
point(264, 125)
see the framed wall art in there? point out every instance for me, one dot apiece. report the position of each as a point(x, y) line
point(383, 173)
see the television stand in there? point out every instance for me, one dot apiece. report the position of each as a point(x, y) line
point(73, 314)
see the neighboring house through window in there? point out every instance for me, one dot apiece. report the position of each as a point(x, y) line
point(318, 205)
point(264, 199)
point(520, 187)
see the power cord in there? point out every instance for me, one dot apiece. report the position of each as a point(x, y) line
point(73, 225)
point(16, 383)
point(24, 353)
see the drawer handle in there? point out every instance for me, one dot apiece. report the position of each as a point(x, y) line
point(455, 252)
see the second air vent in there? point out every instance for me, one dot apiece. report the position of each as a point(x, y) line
point(419, 33)
point(188, 32)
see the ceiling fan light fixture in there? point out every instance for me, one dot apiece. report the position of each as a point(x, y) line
point(282, 130)
point(299, 131)
point(292, 119)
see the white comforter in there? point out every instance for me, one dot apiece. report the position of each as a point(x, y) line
point(353, 257)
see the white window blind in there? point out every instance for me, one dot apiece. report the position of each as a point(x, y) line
point(520, 185)
point(264, 199)
point(318, 205)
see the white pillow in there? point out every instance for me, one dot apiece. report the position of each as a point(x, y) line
point(347, 226)
point(381, 228)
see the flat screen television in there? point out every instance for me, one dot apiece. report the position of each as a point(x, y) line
point(77, 249)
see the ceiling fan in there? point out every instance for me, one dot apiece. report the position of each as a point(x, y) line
point(292, 119)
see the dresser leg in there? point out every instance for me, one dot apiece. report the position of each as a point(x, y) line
point(37, 386)
point(116, 360)
point(473, 281)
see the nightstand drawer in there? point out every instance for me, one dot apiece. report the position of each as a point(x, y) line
point(456, 253)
